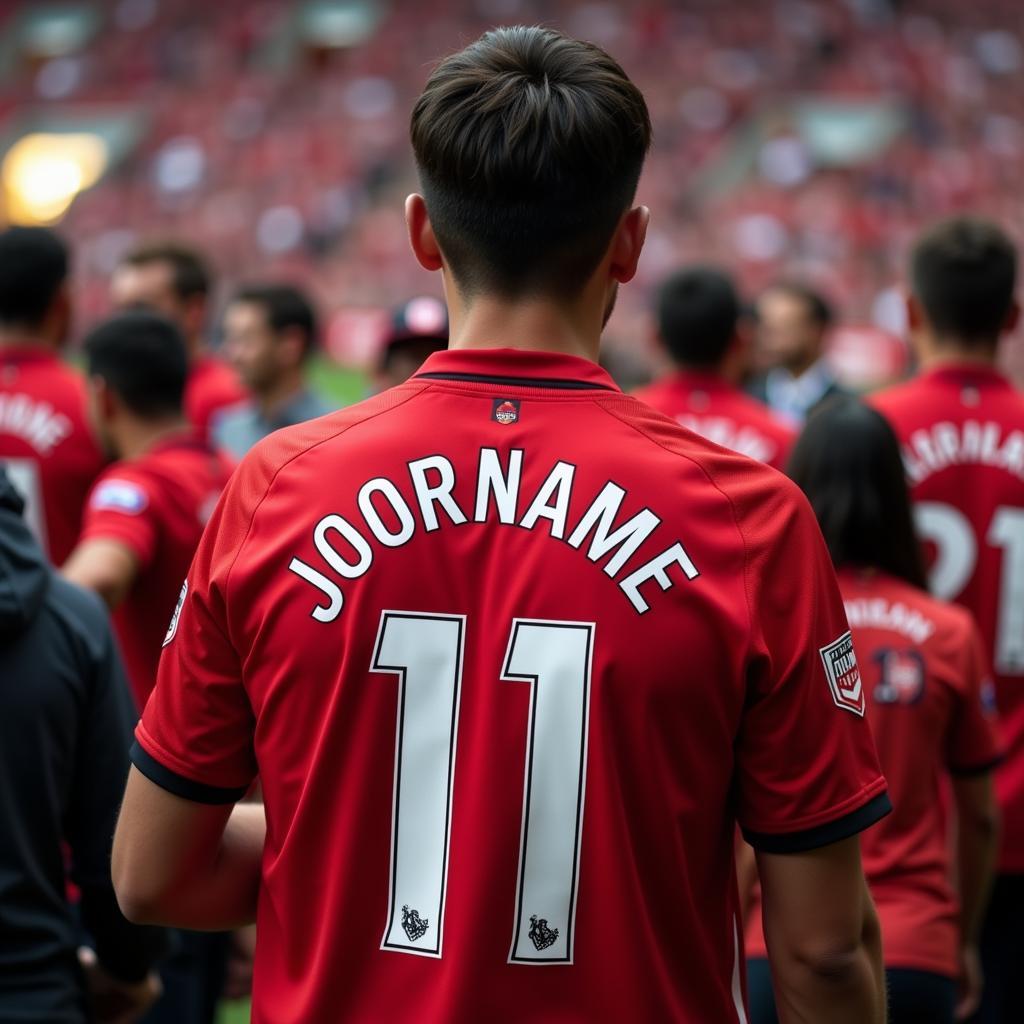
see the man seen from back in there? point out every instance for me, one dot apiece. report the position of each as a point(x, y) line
point(512, 653)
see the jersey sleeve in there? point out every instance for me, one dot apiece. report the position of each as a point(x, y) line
point(973, 746)
point(121, 507)
point(195, 738)
point(806, 769)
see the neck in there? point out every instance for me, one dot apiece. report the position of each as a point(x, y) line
point(536, 325)
point(283, 390)
point(134, 437)
point(15, 337)
point(936, 354)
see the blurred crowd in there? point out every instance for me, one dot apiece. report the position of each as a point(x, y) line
point(274, 134)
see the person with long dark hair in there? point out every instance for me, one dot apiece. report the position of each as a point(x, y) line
point(928, 698)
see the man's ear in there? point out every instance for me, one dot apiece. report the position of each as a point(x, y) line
point(103, 398)
point(421, 233)
point(915, 315)
point(628, 243)
point(293, 342)
point(1012, 318)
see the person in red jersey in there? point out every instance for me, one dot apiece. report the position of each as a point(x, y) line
point(175, 280)
point(929, 701)
point(146, 512)
point(46, 445)
point(510, 652)
point(698, 324)
point(961, 425)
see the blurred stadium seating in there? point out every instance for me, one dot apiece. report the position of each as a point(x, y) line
point(810, 137)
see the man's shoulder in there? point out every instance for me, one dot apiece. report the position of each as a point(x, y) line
point(747, 483)
point(897, 397)
point(288, 446)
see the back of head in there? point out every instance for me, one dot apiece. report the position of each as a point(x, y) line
point(529, 147)
point(141, 357)
point(963, 273)
point(190, 273)
point(847, 461)
point(698, 311)
point(285, 308)
point(33, 269)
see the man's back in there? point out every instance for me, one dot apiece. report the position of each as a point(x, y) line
point(516, 652)
point(156, 505)
point(962, 431)
point(709, 405)
point(46, 445)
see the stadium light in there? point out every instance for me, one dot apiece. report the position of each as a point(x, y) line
point(42, 173)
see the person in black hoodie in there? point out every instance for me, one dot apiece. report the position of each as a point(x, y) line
point(65, 728)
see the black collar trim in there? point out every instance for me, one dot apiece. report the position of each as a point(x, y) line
point(552, 383)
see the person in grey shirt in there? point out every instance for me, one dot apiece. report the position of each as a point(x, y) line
point(270, 331)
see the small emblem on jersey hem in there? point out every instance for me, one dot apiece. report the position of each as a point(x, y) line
point(413, 925)
point(505, 410)
point(843, 676)
point(540, 934)
point(172, 629)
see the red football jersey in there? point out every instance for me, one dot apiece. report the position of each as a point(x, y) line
point(962, 431)
point(212, 386)
point(511, 654)
point(46, 445)
point(932, 714)
point(157, 506)
point(712, 407)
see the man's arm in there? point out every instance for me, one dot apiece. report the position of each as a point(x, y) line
point(104, 565)
point(187, 864)
point(823, 936)
point(977, 845)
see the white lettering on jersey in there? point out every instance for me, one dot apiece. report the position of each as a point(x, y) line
point(440, 493)
point(598, 520)
point(492, 481)
point(655, 570)
point(497, 490)
point(969, 443)
point(34, 422)
point(878, 613)
point(558, 485)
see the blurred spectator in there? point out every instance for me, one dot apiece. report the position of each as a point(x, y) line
point(700, 325)
point(147, 511)
point(45, 443)
point(961, 424)
point(143, 522)
point(270, 331)
point(174, 280)
point(65, 727)
point(419, 328)
point(793, 322)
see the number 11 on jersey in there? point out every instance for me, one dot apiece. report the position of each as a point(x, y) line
point(425, 651)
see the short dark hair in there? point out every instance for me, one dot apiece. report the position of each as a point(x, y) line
point(33, 267)
point(698, 310)
point(819, 309)
point(529, 146)
point(142, 358)
point(847, 461)
point(190, 273)
point(963, 271)
point(284, 307)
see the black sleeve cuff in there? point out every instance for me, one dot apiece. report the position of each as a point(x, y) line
point(187, 789)
point(822, 835)
point(983, 767)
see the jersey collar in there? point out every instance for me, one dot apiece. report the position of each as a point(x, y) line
point(701, 380)
point(968, 373)
point(27, 354)
point(516, 368)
